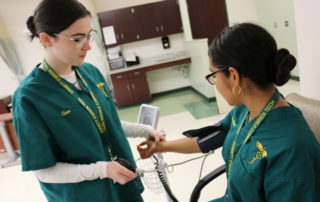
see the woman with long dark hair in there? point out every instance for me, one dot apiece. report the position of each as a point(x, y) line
point(270, 152)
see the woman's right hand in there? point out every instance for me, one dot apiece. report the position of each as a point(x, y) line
point(119, 173)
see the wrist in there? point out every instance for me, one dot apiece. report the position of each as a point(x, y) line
point(162, 146)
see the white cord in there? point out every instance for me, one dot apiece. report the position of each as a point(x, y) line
point(141, 171)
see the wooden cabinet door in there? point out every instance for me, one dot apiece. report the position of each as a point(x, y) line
point(122, 90)
point(207, 18)
point(168, 17)
point(125, 25)
point(108, 19)
point(140, 89)
point(145, 22)
point(139, 86)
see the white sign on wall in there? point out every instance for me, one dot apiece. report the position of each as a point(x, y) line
point(109, 35)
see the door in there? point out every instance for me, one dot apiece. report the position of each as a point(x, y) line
point(122, 90)
point(207, 18)
point(145, 22)
point(140, 89)
point(125, 25)
point(168, 17)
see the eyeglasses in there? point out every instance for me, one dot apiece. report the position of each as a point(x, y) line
point(211, 78)
point(80, 41)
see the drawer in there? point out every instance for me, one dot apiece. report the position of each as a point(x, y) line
point(119, 77)
point(136, 73)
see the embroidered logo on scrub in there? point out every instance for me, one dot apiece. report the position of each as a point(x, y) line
point(65, 113)
point(262, 152)
point(100, 85)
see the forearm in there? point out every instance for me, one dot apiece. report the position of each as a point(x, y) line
point(72, 173)
point(184, 145)
point(135, 129)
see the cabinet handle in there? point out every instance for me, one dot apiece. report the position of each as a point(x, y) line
point(161, 28)
point(132, 10)
point(136, 73)
point(128, 86)
point(132, 86)
point(117, 36)
point(138, 36)
point(122, 36)
point(157, 28)
point(119, 77)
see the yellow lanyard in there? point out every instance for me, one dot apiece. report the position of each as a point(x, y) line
point(270, 104)
point(99, 122)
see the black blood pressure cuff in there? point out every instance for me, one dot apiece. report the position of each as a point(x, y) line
point(209, 138)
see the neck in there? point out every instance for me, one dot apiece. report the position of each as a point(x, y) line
point(256, 101)
point(59, 67)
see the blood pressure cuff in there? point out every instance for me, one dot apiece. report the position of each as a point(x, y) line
point(209, 138)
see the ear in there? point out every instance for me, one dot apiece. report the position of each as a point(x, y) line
point(234, 76)
point(46, 39)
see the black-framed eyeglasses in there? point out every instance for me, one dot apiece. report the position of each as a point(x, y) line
point(211, 77)
point(80, 41)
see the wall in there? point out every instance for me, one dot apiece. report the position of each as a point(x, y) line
point(164, 79)
point(31, 53)
point(272, 15)
point(8, 81)
point(3, 29)
point(185, 20)
point(308, 45)
point(106, 5)
point(200, 67)
point(241, 11)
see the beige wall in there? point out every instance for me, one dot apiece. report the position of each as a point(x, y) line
point(3, 29)
point(308, 46)
point(29, 52)
point(106, 5)
point(241, 11)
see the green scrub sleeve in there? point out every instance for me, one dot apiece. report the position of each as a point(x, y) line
point(37, 146)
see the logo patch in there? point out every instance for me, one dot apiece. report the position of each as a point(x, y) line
point(100, 85)
point(262, 152)
point(65, 113)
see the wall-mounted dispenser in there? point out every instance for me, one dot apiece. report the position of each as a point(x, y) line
point(165, 42)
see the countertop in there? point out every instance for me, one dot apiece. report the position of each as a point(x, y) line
point(152, 61)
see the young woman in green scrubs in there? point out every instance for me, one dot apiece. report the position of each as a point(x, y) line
point(68, 128)
point(271, 154)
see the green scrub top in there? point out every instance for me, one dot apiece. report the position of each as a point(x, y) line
point(52, 126)
point(280, 162)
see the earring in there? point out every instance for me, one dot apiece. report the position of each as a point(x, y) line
point(234, 91)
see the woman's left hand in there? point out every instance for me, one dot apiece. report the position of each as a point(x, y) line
point(156, 136)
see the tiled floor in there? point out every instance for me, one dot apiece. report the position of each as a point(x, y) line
point(177, 115)
point(173, 103)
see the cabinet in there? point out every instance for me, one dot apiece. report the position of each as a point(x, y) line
point(213, 18)
point(123, 26)
point(143, 21)
point(168, 19)
point(130, 87)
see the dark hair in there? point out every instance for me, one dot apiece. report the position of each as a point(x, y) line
point(253, 52)
point(54, 16)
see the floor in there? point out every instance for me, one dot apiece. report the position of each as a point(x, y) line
point(175, 102)
point(178, 113)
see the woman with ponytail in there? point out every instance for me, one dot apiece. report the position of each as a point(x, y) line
point(271, 154)
point(69, 132)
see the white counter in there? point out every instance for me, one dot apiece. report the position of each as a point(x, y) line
point(146, 62)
